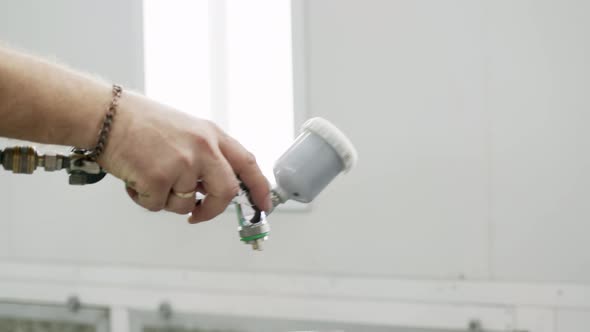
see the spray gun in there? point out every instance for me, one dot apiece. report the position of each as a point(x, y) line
point(315, 158)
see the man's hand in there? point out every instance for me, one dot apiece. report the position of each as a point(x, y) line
point(157, 151)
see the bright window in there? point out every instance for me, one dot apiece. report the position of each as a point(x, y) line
point(226, 60)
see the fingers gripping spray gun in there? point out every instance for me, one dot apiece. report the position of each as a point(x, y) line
point(315, 158)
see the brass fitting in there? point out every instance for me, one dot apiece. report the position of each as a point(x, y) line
point(25, 160)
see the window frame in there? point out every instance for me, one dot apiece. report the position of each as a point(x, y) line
point(219, 78)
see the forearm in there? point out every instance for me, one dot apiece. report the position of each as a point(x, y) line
point(47, 103)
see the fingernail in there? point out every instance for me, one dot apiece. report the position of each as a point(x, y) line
point(193, 221)
point(268, 203)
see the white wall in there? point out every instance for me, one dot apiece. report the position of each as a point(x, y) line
point(469, 117)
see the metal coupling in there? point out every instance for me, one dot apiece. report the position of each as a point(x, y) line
point(255, 234)
point(83, 171)
point(25, 160)
point(276, 200)
point(20, 160)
